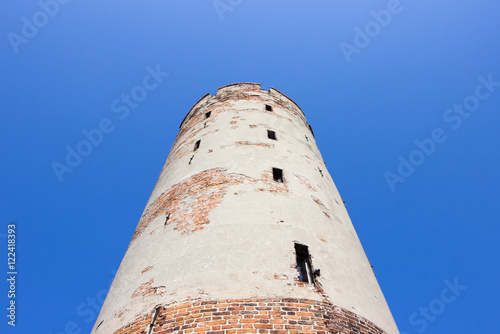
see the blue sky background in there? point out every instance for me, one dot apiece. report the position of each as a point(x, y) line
point(440, 224)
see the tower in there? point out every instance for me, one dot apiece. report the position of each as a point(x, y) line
point(245, 232)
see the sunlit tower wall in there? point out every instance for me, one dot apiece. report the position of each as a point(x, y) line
point(245, 232)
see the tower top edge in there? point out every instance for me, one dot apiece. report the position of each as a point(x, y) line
point(246, 86)
point(250, 85)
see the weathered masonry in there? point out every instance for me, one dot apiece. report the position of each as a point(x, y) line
point(245, 232)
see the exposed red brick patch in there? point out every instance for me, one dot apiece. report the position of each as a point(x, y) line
point(147, 290)
point(300, 284)
point(253, 126)
point(146, 269)
point(322, 206)
point(280, 277)
point(247, 143)
point(272, 186)
point(190, 202)
point(252, 315)
point(305, 181)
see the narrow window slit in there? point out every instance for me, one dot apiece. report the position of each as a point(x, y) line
point(320, 171)
point(167, 218)
point(310, 128)
point(197, 145)
point(271, 134)
point(278, 175)
point(304, 263)
point(190, 160)
point(307, 139)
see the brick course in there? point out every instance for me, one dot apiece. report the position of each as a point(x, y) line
point(253, 315)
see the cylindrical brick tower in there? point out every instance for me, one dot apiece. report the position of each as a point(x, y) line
point(245, 232)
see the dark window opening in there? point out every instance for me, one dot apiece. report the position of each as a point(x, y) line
point(320, 171)
point(271, 134)
point(197, 145)
point(269, 108)
point(278, 175)
point(207, 114)
point(191, 160)
point(307, 139)
point(205, 125)
point(167, 218)
point(303, 263)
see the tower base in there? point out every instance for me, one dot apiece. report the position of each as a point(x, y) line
point(252, 315)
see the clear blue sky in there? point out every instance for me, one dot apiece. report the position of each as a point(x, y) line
point(370, 83)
